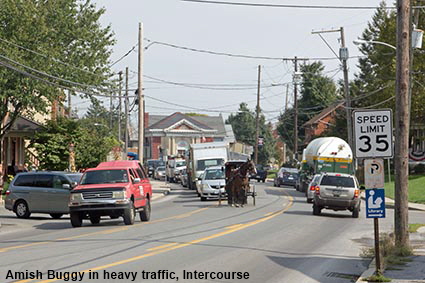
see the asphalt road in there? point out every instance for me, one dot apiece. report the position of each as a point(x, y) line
point(278, 240)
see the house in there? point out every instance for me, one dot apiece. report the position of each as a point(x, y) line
point(320, 123)
point(13, 153)
point(172, 134)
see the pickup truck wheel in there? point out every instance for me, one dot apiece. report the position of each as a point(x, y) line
point(56, 215)
point(203, 198)
point(309, 200)
point(76, 219)
point(22, 210)
point(264, 180)
point(129, 215)
point(316, 210)
point(145, 215)
point(95, 219)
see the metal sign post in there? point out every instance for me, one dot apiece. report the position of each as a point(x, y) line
point(375, 208)
point(373, 138)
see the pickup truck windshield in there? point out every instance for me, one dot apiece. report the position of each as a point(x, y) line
point(202, 164)
point(180, 163)
point(338, 181)
point(214, 174)
point(105, 177)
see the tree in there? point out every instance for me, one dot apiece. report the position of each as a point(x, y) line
point(91, 143)
point(317, 92)
point(243, 124)
point(46, 46)
point(374, 84)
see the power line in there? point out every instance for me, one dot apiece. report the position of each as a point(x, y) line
point(125, 55)
point(293, 6)
point(242, 55)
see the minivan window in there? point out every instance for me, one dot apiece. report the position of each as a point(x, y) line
point(44, 181)
point(337, 181)
point(105, 177)
point(24, 181)
point(59, 180)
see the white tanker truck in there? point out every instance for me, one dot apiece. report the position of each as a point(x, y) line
point(328, 154)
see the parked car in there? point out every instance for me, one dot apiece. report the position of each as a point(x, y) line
point(152, 164)
point(159, 173)
point(183, 178)
point(337, 192)
point(286, 176)
point(212, 183)
point(261, 174)
point(40, 192)
point(312, 188)
point(118, 188)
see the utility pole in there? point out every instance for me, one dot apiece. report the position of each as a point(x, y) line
point(141, 127)
point(126, 113)
point(401, 160)
point(257, 122)
point(296, 109)
point(343, 57)
point(110, 111)
point(69, 104)
point(286, 97)
point(119, 105)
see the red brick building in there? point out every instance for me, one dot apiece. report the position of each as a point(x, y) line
point(319, 123)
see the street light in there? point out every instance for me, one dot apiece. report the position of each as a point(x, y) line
point(362, 41)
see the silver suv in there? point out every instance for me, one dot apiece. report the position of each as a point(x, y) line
point(337, 192)
point(41, 192)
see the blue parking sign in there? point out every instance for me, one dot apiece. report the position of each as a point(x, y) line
point(375, 203)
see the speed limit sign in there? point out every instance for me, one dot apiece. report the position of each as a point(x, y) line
point(373, 133)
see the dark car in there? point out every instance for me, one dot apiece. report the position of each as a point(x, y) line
point(261, 173)
point(286, 176)
point(152, 164)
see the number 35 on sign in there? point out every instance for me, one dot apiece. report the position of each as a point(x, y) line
point(373, 133)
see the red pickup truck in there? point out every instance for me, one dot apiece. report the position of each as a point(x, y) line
point(116, 188)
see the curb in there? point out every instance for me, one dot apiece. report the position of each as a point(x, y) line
point(391, 204)
point(368, 272)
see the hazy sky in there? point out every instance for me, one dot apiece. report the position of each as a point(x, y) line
point(220, 83)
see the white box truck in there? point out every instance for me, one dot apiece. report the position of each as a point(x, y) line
point(203, 155)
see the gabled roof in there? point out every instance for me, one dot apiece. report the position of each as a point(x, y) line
point(175, 118)
point(325, 112)
point(25, 125)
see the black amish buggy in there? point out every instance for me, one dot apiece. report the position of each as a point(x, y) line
point(237, 182)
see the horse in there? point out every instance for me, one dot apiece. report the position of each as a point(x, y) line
point(239, 183)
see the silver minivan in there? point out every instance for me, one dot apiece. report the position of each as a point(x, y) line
point(40, 192)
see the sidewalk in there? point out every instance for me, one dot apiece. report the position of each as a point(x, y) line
point(389, 203)
point(413, 271)
point(159, 189)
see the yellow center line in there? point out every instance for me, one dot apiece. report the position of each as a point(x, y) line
point(162, 247)
point(174, 247)
point(104, 232)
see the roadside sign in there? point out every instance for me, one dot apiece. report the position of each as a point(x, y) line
point(375, 203)
point(373, 133)
point(374, 173)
